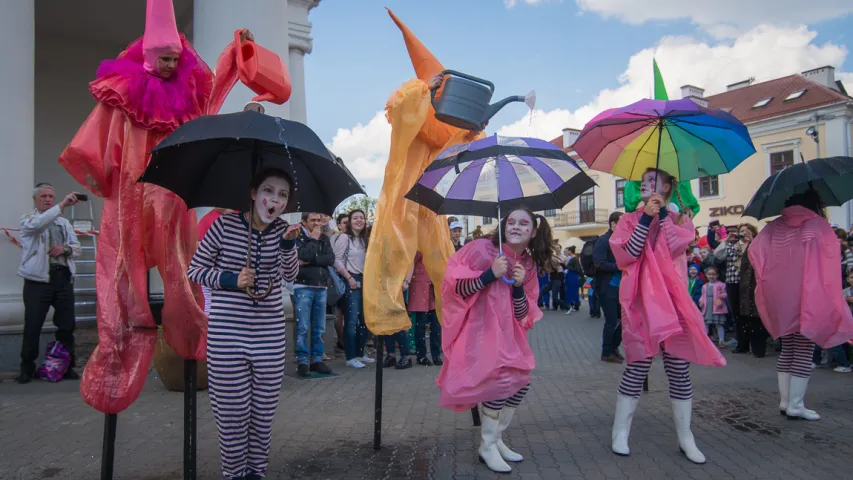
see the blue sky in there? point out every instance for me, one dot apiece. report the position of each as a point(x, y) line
point(568, 51)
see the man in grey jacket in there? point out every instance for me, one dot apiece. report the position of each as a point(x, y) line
point(47, 266)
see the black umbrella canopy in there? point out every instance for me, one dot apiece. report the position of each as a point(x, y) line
point(210, 162)
point(832, 178)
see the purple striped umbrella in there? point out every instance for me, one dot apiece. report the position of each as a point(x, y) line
point(498, 173)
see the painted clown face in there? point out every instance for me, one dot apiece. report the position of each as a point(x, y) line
point(519, 228)
point(271, 198)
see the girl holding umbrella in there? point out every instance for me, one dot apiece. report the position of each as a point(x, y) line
point(245, 337)
point(659, 315)
point(797, 264)
point(483, 314)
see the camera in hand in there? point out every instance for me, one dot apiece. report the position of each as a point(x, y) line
point(82, 197)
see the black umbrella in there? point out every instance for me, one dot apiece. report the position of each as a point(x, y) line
point(210, 162)
point(831, 178)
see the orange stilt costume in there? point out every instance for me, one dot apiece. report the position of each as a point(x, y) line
point(142, 225)
point(402, 228)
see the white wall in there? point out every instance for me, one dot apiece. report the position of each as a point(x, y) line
point(64, 68)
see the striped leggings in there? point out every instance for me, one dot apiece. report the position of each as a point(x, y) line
point(677, 370)
point(244, 374)
point(796, 356)
point(512, 402)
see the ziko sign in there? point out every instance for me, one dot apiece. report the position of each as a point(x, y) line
point(723, 211)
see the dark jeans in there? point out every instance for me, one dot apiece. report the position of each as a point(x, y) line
point(611, 335)
point(421, 320)
point(355, 330)
point(594, 304)
point(558, 294)
point(38, 298)
point(401, 339)
point(741, 323)
point(757, 335)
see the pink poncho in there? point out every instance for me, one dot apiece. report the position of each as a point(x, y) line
point(797, 265)
point(486, 353)
point(657, 310)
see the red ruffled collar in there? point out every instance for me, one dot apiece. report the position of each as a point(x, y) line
point(150, 101)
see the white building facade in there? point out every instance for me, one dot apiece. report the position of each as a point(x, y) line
point(52, 50)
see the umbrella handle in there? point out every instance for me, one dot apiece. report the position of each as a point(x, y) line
point(260, 296)
point(507, 281)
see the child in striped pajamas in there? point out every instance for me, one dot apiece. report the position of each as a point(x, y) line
point(485, 323)
point(245, 336)
point(659, 316)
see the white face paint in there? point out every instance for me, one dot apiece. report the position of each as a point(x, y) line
point(271, 199)
point(653, 183)
point(519, 228)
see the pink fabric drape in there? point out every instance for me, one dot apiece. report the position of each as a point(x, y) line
point(487, 356)
point(658, 311)
point(797, 265)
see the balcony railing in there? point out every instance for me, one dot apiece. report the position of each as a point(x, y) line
point(587, 217)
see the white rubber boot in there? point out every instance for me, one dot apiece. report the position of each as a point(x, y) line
point(489, 432)
point(796, 401)
point(784, 387)
point(682, 411)
point(625, 407)
point(504, 421)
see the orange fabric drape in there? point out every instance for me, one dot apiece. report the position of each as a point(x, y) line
point(402, 228)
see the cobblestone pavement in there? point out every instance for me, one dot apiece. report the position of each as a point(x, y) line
point(323, 428)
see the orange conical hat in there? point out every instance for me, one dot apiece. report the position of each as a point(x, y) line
point(425, 63)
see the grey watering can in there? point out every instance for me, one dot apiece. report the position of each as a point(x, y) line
point(464, 101)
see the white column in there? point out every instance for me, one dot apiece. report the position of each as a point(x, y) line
point(301, 44)
point(214, 22)
point(837, 135)
point(17, 49)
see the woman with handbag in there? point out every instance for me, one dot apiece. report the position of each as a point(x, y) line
point(350, 252)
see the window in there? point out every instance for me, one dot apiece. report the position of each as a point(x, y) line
point(620, 193)
point(709, 186)
point(487, 220)
point(795, 95)
point(587, 202)
point(763, 102)
point(551, 212)
point(780, 161)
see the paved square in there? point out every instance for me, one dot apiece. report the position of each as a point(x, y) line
point(323, 428)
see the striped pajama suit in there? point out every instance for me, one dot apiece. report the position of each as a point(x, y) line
point(245, 337)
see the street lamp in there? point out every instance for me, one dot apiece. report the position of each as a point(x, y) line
point(812, 132)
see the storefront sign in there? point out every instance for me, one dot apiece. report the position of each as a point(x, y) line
point(724, 211)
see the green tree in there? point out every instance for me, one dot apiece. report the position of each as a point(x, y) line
point(358, 202)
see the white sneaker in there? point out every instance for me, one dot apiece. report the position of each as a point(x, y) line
point(355, 363)
point(841, 369)
point(366, 360)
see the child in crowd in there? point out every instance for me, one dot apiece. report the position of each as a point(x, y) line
point(695, 282)
point(712, 302)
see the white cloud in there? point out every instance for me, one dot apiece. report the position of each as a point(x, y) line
point(764, 52)
point(722, 18)
point(364, 150)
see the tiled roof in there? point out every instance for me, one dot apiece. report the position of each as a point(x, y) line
point(741, 102)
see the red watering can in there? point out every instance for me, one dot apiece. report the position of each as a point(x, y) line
point(262, 71)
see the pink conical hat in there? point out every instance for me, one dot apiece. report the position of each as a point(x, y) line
point(161, 32)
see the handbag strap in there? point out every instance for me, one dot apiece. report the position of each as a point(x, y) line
point(346, 252)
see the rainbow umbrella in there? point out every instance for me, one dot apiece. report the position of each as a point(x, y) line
point(680, 137)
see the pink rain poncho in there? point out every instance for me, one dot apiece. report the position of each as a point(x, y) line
point(657, 310)
point(797, 265)
point(487, 356)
